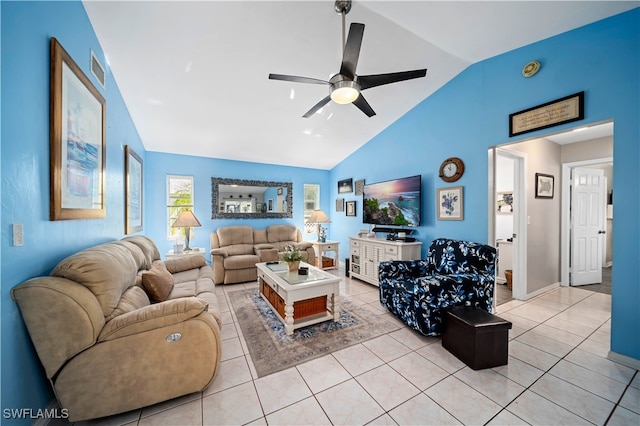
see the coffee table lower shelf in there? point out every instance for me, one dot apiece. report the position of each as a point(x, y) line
point(305, 312)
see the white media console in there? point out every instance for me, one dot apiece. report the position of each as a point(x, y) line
point(365, 254)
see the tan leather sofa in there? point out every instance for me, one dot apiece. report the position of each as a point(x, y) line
point(106, 348)
point(235, 250)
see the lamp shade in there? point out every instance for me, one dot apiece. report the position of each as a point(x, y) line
point(318, 216)
point(186, 218)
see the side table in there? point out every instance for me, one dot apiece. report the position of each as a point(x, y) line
point(324, 247)
point(194, 250)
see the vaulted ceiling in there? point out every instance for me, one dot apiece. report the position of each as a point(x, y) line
point(194, 75)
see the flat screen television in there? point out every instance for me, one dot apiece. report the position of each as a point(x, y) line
point(394, 202)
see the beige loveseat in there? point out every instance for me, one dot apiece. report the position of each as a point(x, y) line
point(105, 346)
point(235, 250)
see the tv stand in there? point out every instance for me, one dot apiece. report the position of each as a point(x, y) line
point(367, 253)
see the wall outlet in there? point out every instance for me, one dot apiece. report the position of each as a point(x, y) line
point(18, 237)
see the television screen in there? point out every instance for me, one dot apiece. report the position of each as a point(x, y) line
point(393, 202)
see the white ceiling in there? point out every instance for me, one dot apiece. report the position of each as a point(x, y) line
point(194, 74)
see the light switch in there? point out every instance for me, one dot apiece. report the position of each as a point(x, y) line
point(18, 238)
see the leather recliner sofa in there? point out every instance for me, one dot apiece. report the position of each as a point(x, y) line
point(106, 344)
point(235, 250)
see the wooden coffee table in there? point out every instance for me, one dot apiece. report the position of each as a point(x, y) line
point(299, 300)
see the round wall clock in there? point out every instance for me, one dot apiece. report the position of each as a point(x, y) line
point(451, 169)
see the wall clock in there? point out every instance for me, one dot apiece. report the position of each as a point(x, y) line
point(451, 169)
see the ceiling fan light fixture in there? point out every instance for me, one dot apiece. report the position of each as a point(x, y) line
point(344, 92)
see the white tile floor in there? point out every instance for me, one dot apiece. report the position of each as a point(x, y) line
point(557, 373)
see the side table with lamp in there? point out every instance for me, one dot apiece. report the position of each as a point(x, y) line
point(186, 220)
point(322, 245)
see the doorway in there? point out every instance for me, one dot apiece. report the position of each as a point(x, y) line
point(548, 246)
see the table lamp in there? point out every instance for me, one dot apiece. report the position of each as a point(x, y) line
point(186, 219)
point(318, 217)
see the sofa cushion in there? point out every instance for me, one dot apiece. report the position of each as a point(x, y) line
point(242, 261)
point(153, 317)
point(232, 235)
point(157, 282)
point(147, 246)
point(277, 233)
point(185, 263)
point(238, 249)
point(136, 252)
point(107, 270)
point(133, 298)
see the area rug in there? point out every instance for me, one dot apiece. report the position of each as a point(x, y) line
point(272, 350)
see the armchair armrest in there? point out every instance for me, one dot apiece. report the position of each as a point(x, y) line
point(151, 317)
point(403, 269)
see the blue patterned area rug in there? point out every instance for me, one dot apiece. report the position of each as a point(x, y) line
point(272, 350)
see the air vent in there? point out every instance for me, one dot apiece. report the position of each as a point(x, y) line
point(97, 69)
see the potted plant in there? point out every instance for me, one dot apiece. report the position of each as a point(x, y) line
point(292, 255)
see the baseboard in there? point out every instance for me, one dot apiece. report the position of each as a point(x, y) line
point(542, 291)
point(624, 360)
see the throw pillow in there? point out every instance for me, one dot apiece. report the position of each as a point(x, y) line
point(157, 282)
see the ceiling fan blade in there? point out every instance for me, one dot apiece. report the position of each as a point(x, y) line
point(352, 50)
point(317, 106)
point(364, 106)
point(296, 79)
point(369, 81)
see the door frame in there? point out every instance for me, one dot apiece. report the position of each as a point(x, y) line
point(519, 287)
point(565, 222)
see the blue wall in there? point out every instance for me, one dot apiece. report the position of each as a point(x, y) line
point(159, 165)
point(470, 114)
point(462, 119)
point(26, 31)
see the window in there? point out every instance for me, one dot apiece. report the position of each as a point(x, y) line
point(179, 197)
point(311, 202)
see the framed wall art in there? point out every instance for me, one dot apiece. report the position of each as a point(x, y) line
point(77, 141)
point(345, 186)
point(351, 208)
point(339, 204)
point(544, 185)
point(359, 187)
point(132, 191)
point(450, 203)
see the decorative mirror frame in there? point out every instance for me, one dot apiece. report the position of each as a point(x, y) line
point(215, 197)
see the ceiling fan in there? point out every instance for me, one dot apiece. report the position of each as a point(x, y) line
point(346, 86)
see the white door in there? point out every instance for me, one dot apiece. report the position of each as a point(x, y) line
point(587, 225)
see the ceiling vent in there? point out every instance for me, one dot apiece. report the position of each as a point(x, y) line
point(97, 69)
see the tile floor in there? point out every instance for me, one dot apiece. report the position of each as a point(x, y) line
point(557, 373)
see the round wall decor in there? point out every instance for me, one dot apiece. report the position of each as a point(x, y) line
point(451, 169)
point(530, 69)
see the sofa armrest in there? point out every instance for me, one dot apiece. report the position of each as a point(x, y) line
point(303, 245)
point(219, 252)
point(153, 316)
point(63, 318)
point(185, 263)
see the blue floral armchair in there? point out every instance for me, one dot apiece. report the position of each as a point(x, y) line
point(455, 273)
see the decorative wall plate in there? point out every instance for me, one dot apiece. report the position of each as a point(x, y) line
point(530, 69)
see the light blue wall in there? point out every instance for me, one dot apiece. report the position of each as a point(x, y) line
point(26, 31)
point(159, 165)
point(470, 114)
point(462, 119)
